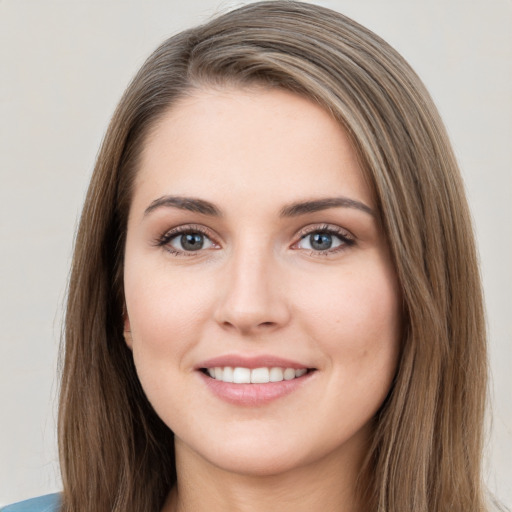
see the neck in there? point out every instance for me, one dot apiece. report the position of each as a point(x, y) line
point(328, 484)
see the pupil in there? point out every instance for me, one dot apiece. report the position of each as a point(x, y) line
point(192, 241)
point(321, 241)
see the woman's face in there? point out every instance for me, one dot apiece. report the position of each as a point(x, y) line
point(254, 252)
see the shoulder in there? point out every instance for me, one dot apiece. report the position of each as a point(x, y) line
point(48, 503)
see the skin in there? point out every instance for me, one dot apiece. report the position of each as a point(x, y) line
point(257, 287)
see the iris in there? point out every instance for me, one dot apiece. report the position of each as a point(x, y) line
point(192, 241)
point(320, 241)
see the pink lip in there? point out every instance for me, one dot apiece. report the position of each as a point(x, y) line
point(253, 395)
point(263, 361)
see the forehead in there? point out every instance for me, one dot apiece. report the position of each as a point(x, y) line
point(266, 145)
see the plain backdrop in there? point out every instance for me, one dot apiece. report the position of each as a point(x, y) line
point(65, 63)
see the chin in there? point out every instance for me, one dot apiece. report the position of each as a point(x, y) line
point(267, 457)
point(258, 464)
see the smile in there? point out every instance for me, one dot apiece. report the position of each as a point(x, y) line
point(255, 380)
point(240, 375)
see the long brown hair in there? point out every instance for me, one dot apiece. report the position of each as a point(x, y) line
point(116, 454)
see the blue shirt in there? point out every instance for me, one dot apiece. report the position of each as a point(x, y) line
point(48, 503)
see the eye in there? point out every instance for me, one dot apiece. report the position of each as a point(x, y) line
point(190, 242)
point(324, 240)
point(186, 240)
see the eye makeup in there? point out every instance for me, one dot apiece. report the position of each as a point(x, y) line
point(187, 240)
point(323, 240)
point(194, 239)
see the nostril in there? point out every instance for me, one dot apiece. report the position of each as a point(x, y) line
point(232, 325)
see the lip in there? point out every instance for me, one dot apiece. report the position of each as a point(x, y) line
point(252, 395)
point(261, 361)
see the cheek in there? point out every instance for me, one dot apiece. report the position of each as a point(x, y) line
point(356, 319)
point(165, 311)
point(357, 325)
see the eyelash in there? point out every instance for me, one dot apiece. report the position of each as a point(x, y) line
point(168, 236)
point(346, 239)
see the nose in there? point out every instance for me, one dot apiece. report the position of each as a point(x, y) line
point(253, 297)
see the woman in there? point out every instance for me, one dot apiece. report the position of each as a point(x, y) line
point(268, 307)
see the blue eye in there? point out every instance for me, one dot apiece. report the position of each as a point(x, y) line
point(186, 240)
point(324, 240)
point(321, 241)
point(190, 242)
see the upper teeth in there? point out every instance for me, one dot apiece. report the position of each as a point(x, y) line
point(254, 376)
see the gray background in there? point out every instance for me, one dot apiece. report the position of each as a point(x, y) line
point(64, 65)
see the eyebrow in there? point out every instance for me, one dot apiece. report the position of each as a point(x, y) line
point(296, 209)
point(317, 205)
point(191, 204)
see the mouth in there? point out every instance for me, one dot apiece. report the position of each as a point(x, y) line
point(253, 380)
point(263, 375)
